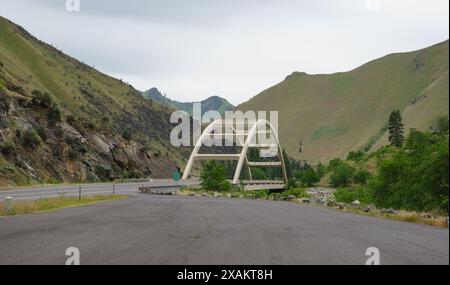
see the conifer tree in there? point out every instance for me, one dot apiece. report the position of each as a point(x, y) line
point(396, 126)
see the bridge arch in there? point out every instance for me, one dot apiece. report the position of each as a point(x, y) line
point(250, 137)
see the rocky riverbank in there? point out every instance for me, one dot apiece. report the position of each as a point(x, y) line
point(324, 197)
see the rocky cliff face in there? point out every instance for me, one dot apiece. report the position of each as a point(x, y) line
point(63, 121)
point(33, 150)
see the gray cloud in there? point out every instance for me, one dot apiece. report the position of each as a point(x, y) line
point(192, 49)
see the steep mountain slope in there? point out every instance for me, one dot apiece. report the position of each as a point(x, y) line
point(330, 115)
point(422, 113)
point(61, 120)
point(214, 103)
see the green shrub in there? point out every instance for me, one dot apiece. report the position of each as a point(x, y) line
point(307, 176)
point(70, 119)
point(361, 177)
point(105, 120)
point(320, 170)
point(54, 115)
point(146, 148)
point(261, 194)
point(7, 148)
point(417, 176)
point(126, 135)
point(59, 131)
point(342, 175)
point(334, 163)
point(348, 195)
point(275, 196)
point(443, 124)
point(355, 155)
point(130, 174)
point(291, 183)
point(15, 88)
point(213, 177)
point(90, 125)
point(30, 139)
point(42, 133)
point(297, 192)
point(257, 173)
point(4, 104)
point(40, 99)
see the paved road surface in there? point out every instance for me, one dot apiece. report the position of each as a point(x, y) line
point(86, 189)
point(146, 229)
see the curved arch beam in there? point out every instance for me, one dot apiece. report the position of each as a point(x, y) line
point(250, 137)
point(242, 157)
point(198, 145)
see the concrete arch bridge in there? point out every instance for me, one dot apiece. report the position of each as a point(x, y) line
point(244, 135)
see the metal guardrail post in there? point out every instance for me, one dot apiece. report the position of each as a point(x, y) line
point(79, 193)
point(8, 204)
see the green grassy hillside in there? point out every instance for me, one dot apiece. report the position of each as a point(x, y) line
point(336, 113)
point(423, 113)
point(92, 127)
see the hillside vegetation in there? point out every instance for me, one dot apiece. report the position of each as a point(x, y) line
point(327, 116)
point(62, 121)
point(411, 177)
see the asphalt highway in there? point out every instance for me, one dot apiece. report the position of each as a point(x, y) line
point(35, 193)
point(147, 229)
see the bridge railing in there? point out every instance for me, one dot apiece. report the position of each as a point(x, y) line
point(263, 182)
point(169, 189)
point(161, 190)
point(254, 185)
point(142, 180)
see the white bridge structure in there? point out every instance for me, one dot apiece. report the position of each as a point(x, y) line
point(233, 133)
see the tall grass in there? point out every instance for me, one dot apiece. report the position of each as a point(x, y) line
point(50, 204)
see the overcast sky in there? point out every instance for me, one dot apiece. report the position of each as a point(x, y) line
point(192, 49)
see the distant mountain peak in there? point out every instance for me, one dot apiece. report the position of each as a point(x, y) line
point(212, 103)
point(332, 114)
point(296, 74)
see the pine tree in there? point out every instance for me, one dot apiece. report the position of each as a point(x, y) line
point(396, 137)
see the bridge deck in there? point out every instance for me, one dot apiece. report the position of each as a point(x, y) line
point(249, 185)
point(253, 185)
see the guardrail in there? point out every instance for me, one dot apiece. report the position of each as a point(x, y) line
point(253, 185)
point(249, 182)
point(61, 191)
point(161, 190)
point(168, 189)
point(144, 180)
